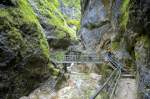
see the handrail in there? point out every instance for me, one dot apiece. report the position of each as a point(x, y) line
point(77, 59)
point(112, 79)
point(113, 91)
point(118, 68)
point(99, 90)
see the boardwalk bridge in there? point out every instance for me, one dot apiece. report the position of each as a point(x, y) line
point(77, 58)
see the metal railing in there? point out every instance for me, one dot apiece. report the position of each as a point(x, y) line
point(110, 84)
point(76, 59)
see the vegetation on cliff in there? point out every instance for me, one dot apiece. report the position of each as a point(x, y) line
point(51, 17)
point(125, 6)
point(30, 29)
point(24, 50)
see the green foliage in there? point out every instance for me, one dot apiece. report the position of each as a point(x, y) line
point(137, 55)
point(74, 22)
point(72, 3)
point(105, 71)
point(76, 5)
point(106, 3)
point(145, 40)
point(115, 45)
point(55, 18)
point(105, 95)
point(60, 55)
point(55, 2)
point(54, 71)
point(25, 9)
point(21, 33)
point(124, 13)
point(24, 34)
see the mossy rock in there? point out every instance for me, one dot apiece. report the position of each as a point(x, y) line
point(24, 56)
point(54, 18)
point(115, 45)
point(8, 2)
point(124, 9)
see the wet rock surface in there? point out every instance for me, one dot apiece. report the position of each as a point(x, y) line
point(94, 23)
point(7, 3)
point(142, 48)
point(53, 23)
point(24, 55)
point(123, 30)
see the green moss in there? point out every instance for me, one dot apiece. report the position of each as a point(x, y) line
point(22, 34)
point(14, 37)
point(53, 71)
point(125, 5)
point(55, 18)
point(3, 13)
point(105, 95)
point(137, 55)
point(115, 45)
point(145, 40)
point(72, 3)
point(22, 25)
point(29, 15)
point(105, 71)
point(55, 2)
point(60, 55)
point(27, 11)
point(74, 22)
point(124, 13)
point(44, 46)
point(106, 4)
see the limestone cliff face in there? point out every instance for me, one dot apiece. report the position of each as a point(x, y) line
point(54, 23)
point(121, 26)
point(141, 26)
point(24, 51)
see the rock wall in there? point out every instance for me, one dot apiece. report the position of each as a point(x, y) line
point(141, 16)
point(24, 51)
point(54, 23)
point(121, 26)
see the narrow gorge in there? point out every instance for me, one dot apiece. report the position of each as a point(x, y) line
point(75, 49)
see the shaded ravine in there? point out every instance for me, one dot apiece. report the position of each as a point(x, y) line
point(121, 26)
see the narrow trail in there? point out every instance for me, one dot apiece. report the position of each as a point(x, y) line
point(126, 89)
point(81, 85)
point(78, 86)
